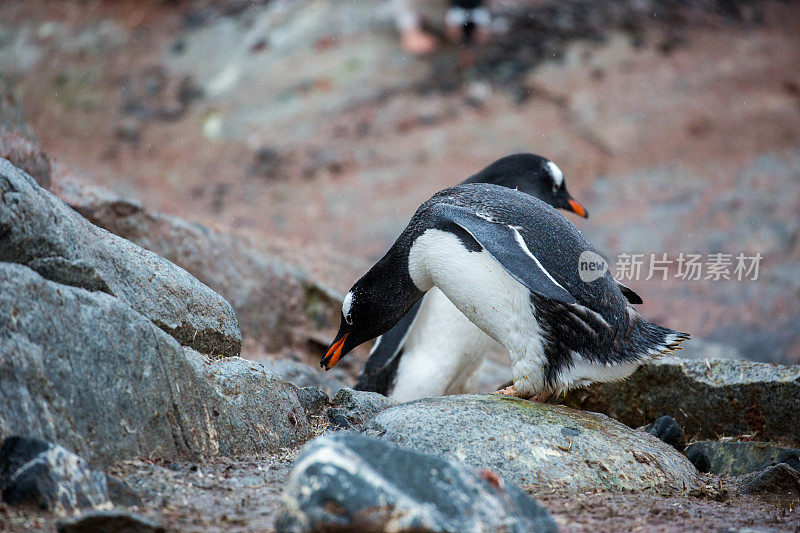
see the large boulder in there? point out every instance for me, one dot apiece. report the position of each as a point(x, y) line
point(544, 447)
point(85, 370)
point(276, 303)
point(348, 482)
point(42, 232)
point(709, 399)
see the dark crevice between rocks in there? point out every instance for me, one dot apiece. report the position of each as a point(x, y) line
point(76, 273)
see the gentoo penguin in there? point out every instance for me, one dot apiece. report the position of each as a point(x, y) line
point(510, 263)
point(434, 350)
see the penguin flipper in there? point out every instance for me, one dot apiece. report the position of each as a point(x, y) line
point(379, 370)
point(506, 245)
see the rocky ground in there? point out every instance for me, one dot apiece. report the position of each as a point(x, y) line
point(245, 495)
point(188, 188)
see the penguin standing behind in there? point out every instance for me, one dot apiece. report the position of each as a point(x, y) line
point(510, 263)
point(434, 350)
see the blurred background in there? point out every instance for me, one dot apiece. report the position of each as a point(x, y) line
point(306, 129)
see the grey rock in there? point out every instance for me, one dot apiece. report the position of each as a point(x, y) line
point(738, 458)
point(351, 482)
point(40, 231)
point(121, 493)
point(351, 408)
point(314, 401)
point(83, 369)
point(666, 429)
point(275, 302)
point(108, 522)
point(708, 399)
point(545, 447)
point(53, 480)
point(780, 479)
point(303, 375)
point(17, 450)
point(251, 409)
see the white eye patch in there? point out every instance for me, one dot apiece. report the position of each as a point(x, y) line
point(346, 305)
point(555, 172)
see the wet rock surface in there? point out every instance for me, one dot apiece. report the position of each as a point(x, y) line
point(746, 398)
point(40, 231)
point(83, 369)
point(352, 481)
point(738, 458)
point(540, 446)
point(37, 473)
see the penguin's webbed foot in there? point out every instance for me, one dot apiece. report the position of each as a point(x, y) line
point(508, 391)
point(540, 397)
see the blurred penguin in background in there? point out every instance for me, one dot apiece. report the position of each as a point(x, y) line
point(463, 22)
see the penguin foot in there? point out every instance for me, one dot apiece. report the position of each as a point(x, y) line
point(540, 397)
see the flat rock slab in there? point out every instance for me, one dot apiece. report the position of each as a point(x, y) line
point(708, 399)
point(541, 446)
point(739, 458)
point(350, 482)
point(42, 232)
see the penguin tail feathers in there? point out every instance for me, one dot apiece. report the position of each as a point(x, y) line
point(652, 340)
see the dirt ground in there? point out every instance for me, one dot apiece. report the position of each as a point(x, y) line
point(245, 496)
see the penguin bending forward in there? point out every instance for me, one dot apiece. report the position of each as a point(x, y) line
point(510, 263)
point(434, 350)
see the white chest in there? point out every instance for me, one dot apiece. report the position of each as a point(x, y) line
point(485, 293)
point(442, 353)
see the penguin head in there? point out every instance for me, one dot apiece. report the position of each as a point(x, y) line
point(371, 308)
point(534, 175)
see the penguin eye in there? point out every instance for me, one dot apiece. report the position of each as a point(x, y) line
point(555, 188)
point(347, 308)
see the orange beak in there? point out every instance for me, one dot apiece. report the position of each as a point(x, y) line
point(333, 354)
point(577, 208)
